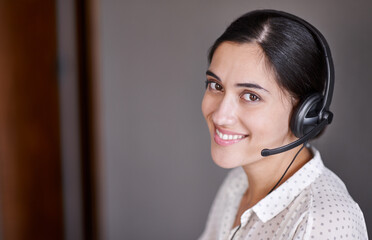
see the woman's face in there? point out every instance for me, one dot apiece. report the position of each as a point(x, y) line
point(244, 107)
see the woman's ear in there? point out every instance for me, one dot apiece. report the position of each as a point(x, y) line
point(294, 101)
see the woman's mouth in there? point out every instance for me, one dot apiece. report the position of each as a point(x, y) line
point(225, 138)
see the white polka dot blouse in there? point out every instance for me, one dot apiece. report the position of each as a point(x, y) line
point(312, 204)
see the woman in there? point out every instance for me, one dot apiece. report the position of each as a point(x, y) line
point(269, 84)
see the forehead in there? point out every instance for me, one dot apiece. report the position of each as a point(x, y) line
point(235, 62)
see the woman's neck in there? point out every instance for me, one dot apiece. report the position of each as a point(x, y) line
point(265, 173)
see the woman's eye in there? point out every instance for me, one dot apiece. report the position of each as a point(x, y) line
point(250, 97)
point(214, 86)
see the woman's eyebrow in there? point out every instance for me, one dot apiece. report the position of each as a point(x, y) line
point(247, 85)
point(251, 85)
point(210, 73)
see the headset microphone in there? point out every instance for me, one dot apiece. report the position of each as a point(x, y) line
point(312, 114)
point(326, 120)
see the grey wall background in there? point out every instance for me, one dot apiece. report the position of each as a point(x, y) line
point(158, 177)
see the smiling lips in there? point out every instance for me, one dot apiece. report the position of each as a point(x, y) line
point(225, 138)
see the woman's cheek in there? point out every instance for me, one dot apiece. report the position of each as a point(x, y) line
point(210, 104)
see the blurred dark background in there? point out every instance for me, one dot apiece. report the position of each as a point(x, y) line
point(101, 131)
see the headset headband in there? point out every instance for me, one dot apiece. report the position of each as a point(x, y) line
point(328, 88)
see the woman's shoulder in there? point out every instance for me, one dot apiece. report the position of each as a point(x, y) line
point(329, 191)
point(332, 211)
point(327, 186)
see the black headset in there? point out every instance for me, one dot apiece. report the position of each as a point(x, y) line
point(312, 114)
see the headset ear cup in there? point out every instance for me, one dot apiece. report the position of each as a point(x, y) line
point(301, 121)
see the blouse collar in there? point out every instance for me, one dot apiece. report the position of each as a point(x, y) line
point(281, 198)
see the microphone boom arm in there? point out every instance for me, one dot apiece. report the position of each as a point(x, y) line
point(268, 152)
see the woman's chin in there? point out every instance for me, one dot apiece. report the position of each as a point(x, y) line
point(231, 158)
point(225, 162)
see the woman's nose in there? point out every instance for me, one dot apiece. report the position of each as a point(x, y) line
point(225, 114)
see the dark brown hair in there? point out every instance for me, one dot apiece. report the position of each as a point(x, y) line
point(291, 50)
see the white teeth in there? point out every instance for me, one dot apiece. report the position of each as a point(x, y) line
point(227, 136)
